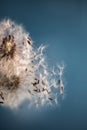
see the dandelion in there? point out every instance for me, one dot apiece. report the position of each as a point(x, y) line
point(24, 72)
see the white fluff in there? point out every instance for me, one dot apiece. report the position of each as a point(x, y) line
point(27, 57)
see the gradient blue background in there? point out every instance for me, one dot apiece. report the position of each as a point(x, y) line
point(62, 25)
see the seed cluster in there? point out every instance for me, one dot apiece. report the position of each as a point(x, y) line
point(7, 48)
point(24, 72)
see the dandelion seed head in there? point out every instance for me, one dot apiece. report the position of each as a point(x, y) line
point(24, 72)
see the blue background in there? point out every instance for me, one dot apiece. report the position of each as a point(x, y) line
point(62, 25)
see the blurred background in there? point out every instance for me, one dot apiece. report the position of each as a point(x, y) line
point(62, 25)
